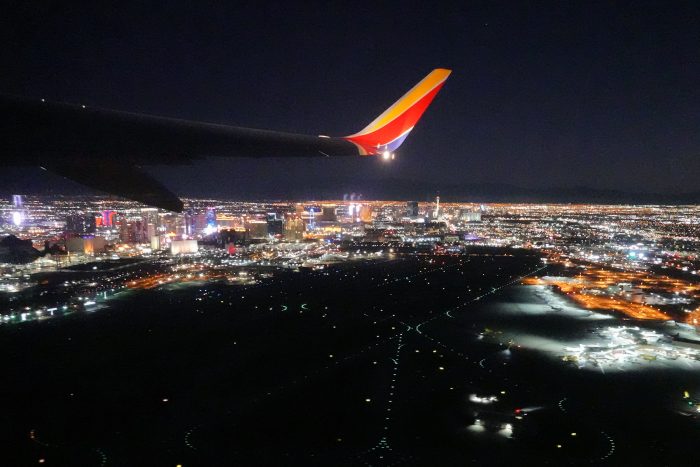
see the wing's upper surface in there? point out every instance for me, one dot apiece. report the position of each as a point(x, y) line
point(35, 131)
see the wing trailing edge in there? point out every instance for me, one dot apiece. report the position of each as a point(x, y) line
point(127, 181)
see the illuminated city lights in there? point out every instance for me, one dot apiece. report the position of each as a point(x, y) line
point(631, 305)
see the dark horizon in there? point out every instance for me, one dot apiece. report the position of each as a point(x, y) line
point(374, 189)
point(556, 96)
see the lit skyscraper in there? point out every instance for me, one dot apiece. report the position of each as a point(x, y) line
point(18, 213)
point(80, 224)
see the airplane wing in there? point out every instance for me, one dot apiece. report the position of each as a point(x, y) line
point(104, 149)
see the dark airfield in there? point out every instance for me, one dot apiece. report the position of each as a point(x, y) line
point(324, 368)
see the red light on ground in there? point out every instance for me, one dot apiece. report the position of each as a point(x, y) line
point(518, 410)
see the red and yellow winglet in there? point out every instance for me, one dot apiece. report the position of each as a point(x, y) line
point(390, 129)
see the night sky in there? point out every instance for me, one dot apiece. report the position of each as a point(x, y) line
point(564, 94)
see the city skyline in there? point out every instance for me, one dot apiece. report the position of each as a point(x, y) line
point(614, 244)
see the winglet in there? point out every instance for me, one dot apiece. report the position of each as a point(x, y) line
point(390, 129)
